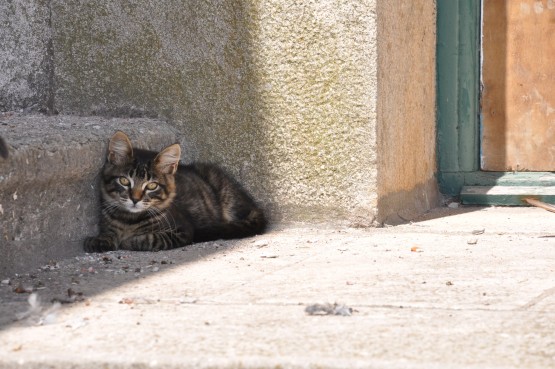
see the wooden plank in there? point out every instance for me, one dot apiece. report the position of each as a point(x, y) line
point(518, 100)
point(506, 195)
point(540, 204)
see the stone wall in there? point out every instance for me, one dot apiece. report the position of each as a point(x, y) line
point(25, 55)
point(49, 183)
point(282, 93)
point(325, 109)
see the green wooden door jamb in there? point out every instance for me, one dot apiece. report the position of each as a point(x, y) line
point(458, 114)
point(458, 81)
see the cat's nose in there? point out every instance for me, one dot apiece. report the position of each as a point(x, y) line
point(135, 196)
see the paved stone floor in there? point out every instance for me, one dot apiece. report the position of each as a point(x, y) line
point(459, 288)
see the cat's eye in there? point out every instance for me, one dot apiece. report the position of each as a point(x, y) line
point(152, 186)
point(124, 181)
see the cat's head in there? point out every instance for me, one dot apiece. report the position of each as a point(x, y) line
point(138, 180)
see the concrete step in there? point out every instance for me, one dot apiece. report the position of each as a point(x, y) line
point(48, 192)
point(506, 195)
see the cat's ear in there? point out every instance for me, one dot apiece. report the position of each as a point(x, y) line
point(168, 159)
point(120, 150)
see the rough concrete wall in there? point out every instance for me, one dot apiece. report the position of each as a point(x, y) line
point(281, 92)
point(48, 188)
point(25, 61)
point(406, 108)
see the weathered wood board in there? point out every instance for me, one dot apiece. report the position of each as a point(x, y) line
point(518, 76)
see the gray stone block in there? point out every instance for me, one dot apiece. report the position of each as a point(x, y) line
point(48, 185)
point(26, 56)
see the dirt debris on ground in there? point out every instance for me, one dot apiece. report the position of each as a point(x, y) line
point(329, 309)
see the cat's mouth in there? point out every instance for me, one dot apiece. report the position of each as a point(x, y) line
point(134, 208)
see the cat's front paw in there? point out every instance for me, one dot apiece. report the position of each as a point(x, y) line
point(98, 244)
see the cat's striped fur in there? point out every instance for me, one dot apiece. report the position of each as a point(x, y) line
point(149, 202)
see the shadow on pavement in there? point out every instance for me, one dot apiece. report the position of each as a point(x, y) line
point(76, 280)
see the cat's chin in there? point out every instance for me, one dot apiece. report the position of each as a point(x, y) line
point(134, 210)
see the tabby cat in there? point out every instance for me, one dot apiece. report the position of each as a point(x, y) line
point(150, 202)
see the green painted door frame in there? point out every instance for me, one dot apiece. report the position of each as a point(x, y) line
point(458, 115)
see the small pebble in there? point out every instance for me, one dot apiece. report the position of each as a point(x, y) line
point(261, 243)
point(20, 289)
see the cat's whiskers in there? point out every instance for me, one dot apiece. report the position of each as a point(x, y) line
point(154, 219)
point(167, 227)
point(164, 223)
point(155, 216)
point(108, 208)
point(173, 228)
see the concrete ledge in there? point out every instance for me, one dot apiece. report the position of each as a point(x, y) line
point(506, 195)
point(48, 192)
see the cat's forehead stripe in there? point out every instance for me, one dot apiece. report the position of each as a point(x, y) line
point(140, 171)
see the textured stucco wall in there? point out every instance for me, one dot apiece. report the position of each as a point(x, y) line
point(406, 108)
point(323, 108)
point(281, 92)
point(25, 61)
